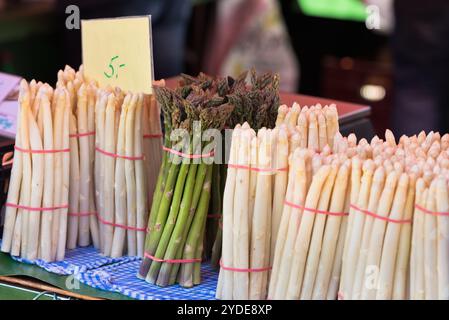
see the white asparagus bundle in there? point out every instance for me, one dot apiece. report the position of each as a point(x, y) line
point(41, 172)
point(82, 219)
point(121, 196)
point(246, 226)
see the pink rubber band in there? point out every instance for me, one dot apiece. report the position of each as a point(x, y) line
point(7, 158)
point(122, 226)
point(329, 213)
point(114, 155)
point(244, 270)
point(188, 156)
point(434, 213)
point(374, 215)
point(40, 151)
point(82, 214)
point(18, 206)
point(149, 256)
point(85, 134)
point(150, 136)
point(238, 166)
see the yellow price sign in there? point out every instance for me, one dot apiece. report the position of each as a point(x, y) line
point(118, 52)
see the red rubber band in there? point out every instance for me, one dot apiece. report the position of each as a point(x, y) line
point(214, 216)
point(122, 226)
point(150, 136)
point(114, 155)
point(433, 213)
point(244, 270)
point(238, 166)
point(372, 214)
point(82, 214)
point(18, 206)
point(188, 156)
point(316, 211)
point(85, 134)
point(41, 151)
point(149, 256)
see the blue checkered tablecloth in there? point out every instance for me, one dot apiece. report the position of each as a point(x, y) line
point(76, 261)
point(120, 275)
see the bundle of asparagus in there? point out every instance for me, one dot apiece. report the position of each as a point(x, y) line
point(120, 173)
point(247, 205)
point(309, 241)
point(82, 219)
point(376, 260)
point(173, 245)
point(36, 209)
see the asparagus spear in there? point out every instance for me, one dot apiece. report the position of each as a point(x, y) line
point(186, 272)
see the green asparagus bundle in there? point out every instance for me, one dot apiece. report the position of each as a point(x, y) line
point(181, 198)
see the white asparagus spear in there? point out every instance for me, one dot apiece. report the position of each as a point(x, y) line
point(357, 226)
point(260, 220)
point(282, 112)
point(93, 221)
point(16, 174)
point(322, 130)
point(62, 239)
point(334, 282)
point(81, 115)
point(430, 246)
point(375, 193)
point(313, 252)
point(390, 249)
point(226, 276)
point(240, 223)
point(280, 187)
point(284, 223)
point(25, 191)
point(119, 237)
point(130, 177)
point(74, 186)
point(418, 285)
point(304, 232)
point(37, 180)
point(313, 135)
point(58, 124)
point(286, 235)
point(403, 261)
point(331, 115)
point(356, 178)
point(147, 150)
point(108, 179)
point(253, 179)
point(100, 108)
point(141, 191)
point(294, 112)
point(386, 205)
point(303, 127)
point(442, 205)
point(47, 201)
point(331, 234)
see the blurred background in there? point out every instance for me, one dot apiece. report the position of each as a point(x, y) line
point(390, 54)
